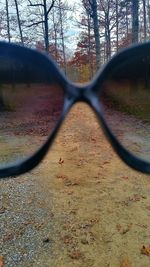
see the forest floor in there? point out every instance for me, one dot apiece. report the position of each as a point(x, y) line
point(80, 207)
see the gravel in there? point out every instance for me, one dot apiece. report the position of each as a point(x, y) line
point(25, 219)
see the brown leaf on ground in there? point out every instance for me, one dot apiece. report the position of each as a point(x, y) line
point(1, 261)
point(105, 162)
point(75, 255)
point(61, 161)
point(68, 182)
point(125, 177)
point(2, 210)
point(123, 229)
point(73, 211)
point(67, 239)
point(63, 177)
point(125, 262)
point(135, 198)
point(69, 226)
point(93, 139)
point(8, 237)
point(84, 241)
point(38, 225)
point(145, 250)
point(118, 226)
point(94, 220)
point(142, 225)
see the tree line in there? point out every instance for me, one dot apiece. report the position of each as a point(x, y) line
point(105, 26)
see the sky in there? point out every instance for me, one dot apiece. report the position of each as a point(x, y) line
point(74, 30)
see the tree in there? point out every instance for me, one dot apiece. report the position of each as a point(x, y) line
point(46, 10)
point(51, 51)
point(91, 9)
point(86, 42)
point(144, 18)
point(108, 22)
point(60, 8)
point(84, 59)
point(8, 27)
point(135, 21)
point(19, 22)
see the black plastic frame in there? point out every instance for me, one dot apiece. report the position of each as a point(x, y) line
point(74, 93)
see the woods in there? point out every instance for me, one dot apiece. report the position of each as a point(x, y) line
point(81, 35)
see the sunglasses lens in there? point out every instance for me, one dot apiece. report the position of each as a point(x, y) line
point(31, 102)
point(125, 103)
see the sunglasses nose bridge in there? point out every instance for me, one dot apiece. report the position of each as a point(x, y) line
point(81, 92)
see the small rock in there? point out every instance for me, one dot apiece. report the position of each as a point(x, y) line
point(46, 240)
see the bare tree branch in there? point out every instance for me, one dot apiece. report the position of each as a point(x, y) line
point(34, 4)
point(51, 6)
point(35, 23)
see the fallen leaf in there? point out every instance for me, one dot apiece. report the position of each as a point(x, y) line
point(84, 241)
point(93, 221)
point(2, 210)
point(75, 255)
point(123, 229)
point(125, 262)
point(145, 250)
point(125, 177)
point(38, 225)
point(118, 226)
point(67, 239)
point(61, 161)
point(8, 237)
point(63, 177)
point(106, 162)
point(1, 261)
point(73, 211)
point(85, 225)
point(142, 225)
point(135, 197)
point(93, 139)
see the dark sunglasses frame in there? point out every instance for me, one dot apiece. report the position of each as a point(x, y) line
point(72, 94)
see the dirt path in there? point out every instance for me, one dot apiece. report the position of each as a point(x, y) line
point(81, 207)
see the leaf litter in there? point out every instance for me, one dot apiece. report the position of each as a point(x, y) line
point(81, 222)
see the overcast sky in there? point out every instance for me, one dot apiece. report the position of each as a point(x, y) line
point(73, 31)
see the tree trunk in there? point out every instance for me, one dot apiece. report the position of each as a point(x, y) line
point(144, 15)
point(117, 27)
point(19, 23)
point(93, 4)
point(62, 37)
point(55, 34)
point(46, 37)
point(135, 21)
point(148, 12)
point(127, 22)
point(8, 28)
point(90, 56)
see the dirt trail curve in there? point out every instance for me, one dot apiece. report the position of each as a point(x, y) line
point(81, 207)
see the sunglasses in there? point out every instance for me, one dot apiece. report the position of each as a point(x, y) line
point(35, 98)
